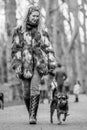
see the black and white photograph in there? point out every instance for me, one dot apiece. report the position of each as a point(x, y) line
point(43, 64)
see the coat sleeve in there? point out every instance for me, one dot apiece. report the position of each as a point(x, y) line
point(48, 48)
point(16, 44)
point(16, 52)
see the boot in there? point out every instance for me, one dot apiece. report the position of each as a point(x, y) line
point(34, 108)
point(27, 103)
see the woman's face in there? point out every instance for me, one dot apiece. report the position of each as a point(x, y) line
point(34, 17)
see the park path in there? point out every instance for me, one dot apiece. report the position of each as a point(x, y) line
point(16, 117)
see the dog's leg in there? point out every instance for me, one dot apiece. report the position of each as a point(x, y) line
point(2, 104)
point(52, 109)
point(65, 115)
point(51, 115)
point(58, 117)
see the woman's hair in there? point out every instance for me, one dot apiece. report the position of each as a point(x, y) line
point(28, 11)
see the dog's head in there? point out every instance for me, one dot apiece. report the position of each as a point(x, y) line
point(62, 99)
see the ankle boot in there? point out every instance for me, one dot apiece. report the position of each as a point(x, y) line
point(34, 108)
point(27, 103)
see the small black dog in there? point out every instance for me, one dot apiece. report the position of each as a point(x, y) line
point(59, 103)
point(1, 100)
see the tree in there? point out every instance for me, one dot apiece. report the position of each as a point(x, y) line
point(10, 23)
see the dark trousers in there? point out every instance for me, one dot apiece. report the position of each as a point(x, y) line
point(60, 87)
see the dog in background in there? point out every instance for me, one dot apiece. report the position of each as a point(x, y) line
point(1, 100)
point(60, 104)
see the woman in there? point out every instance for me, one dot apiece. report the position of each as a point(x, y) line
point(32, 57)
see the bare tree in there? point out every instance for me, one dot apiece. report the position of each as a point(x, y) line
point(10, 23)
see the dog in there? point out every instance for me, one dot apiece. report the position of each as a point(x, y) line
point(60, 104)
point(1, 100)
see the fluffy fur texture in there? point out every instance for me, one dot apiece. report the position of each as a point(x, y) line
point(60, 104)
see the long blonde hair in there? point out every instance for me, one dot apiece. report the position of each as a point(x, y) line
point(28, 11)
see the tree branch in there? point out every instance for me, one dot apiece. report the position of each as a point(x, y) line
point(74, 35)
point(63, 43)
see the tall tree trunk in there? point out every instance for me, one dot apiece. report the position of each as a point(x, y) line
point(69, 60)
point(55, 34)
point(10, 23)
point(85, 48)
point(53, 24)
point(78, 50)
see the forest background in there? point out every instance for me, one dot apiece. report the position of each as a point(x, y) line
point(66, 23)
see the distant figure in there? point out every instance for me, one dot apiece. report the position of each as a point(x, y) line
point(67, 86)
point(1, 100)
point(43, 89)
point(76, 90)
point(60, 77)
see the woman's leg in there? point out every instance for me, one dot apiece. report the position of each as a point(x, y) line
point(26, 93)
point(76, 98)
point(35, 96)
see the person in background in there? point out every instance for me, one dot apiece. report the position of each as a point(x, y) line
point(32, 58)
point(67, 86)
point(60, 77)
point(76, 90)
